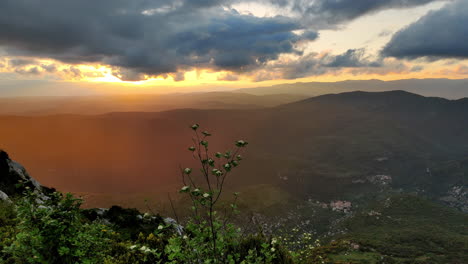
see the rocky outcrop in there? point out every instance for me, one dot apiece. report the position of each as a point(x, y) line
point(14, 179)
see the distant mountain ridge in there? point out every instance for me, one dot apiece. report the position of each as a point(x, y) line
point(401, 100)
point(446, 88)
point(94, 105)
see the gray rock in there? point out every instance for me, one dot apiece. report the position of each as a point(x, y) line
point(4, 197)
point(18, 169)
point(12, 173)
point(178, 228)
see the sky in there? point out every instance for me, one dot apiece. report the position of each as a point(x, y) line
point(73, 47)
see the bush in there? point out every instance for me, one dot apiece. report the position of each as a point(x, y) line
point(52, 230)
point(7, 228)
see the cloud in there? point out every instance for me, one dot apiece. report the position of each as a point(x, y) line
point(417, 68)
point(178, 76)
point(314, 64)
point(20, 62)
point(438, 35)
point(343, 10)
point(385, 33)
point(305, 66)
point(351, 58)
point(30, 71)
point(340, 11)
point(73, 72)
point(228, 77)
point(51, 68)
point(138, 39)
point(129, 75)
point(142, 37)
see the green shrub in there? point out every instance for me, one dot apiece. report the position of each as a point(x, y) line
point(53, 231)
point(7, 228)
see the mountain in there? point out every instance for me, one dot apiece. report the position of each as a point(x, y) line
point(93, 105)
point(447, 88)
point(341, 146)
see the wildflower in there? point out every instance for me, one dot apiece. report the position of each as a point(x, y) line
point(206, 195)
point(211, 162)
point(187, 171)
point(217, 172)
point(133, 246)
point(206, 134)
point(204, 143)
point(239, 157)
point(160, 227)
point(143, 248)
point(185, 189)
point(218, 154)
point(273, 249)
point(274, 241)
point(196, 192)
point(195, 126)
point(241, 143)
point(227, 167)
point(192, 148)
point(185, 237)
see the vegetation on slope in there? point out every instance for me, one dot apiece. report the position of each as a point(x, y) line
point(405, 229)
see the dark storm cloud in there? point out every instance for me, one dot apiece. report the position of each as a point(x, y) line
point(337, 11)
point(313, 64)
point(439, 34)
point(322, 14)
point(352, 58)
point(145, 37)
point(127, 74)
point(139, 38)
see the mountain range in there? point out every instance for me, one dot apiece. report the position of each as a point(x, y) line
point(336, 146)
